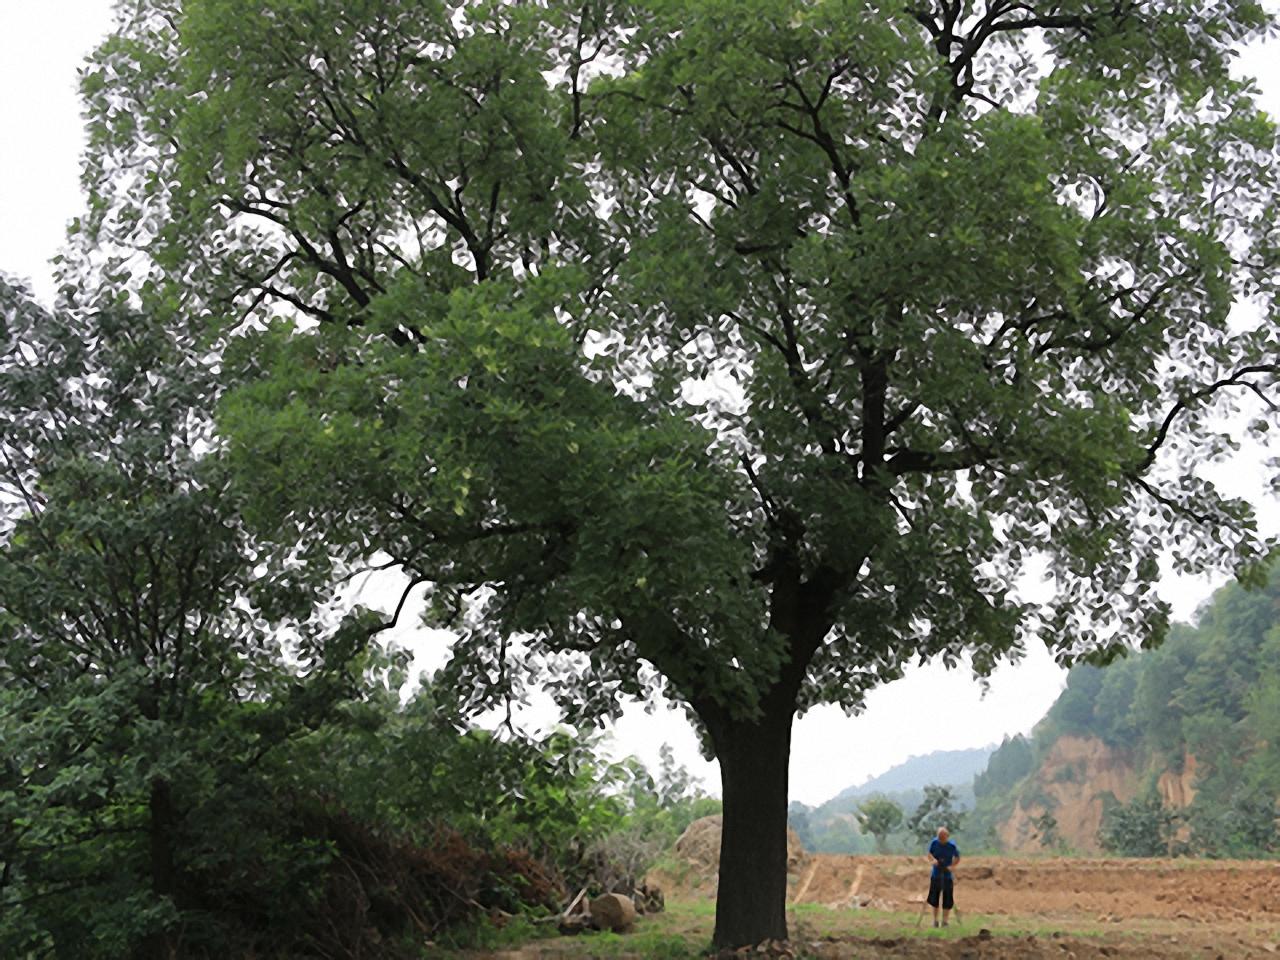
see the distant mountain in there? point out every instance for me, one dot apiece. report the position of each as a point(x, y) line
point(943, 767)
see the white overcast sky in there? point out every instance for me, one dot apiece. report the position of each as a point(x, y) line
point(43, 42)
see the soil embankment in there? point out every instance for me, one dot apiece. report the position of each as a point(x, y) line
point(1075, 781)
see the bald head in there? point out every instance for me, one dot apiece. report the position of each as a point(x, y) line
point(943, 834)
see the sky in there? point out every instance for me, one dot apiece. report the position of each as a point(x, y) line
point(43, 43)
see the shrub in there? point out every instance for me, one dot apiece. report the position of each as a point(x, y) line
point(1143, 827)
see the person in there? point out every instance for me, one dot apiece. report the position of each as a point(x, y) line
point(944, 855)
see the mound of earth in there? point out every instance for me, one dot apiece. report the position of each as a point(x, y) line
point(692, 868)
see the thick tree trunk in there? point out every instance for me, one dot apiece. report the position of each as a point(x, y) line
point(162, 819)
point(158, 945)
point(751, 903)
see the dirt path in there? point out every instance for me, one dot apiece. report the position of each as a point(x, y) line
point(818, 934)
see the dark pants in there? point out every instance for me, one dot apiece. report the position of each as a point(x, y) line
point(941, 886)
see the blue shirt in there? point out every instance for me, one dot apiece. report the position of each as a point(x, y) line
point(945, 854)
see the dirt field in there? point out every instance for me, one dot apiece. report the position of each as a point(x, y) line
point(1110, 889)
point(1009, 909)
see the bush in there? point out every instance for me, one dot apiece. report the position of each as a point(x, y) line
point(935, 811)
point(1143, 827)
point(1047, 832)
point(1246, 828)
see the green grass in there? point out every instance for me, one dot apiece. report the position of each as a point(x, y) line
point(486, 936)
point(654, 945)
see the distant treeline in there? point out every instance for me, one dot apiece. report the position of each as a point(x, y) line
point(833, 827)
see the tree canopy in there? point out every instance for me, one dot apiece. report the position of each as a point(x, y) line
point(880, 817)
point(141, 683)
point(196, 758)
point(749, 350)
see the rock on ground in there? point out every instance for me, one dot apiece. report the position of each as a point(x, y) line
point(613, 912)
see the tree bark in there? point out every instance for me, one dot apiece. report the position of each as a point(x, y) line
point(754, 759)
point(162, 819)
point(158, 945)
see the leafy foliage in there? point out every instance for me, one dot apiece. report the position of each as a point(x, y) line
point(1143, 827)
point(662, 807)
point(409, 769)
point(1097, 703)
point(935, 812)
point(1243, 827)
point(139, 687)
point(1047, 834)
point(193, 757)
point(659, 809)
point(905, 283)
point(880, 816)
point(1011, 761)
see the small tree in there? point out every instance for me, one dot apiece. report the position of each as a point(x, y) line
point(140, 686)
point(935, 811)
point(1143, 827)
point(1046, 831)
point(662, 807)
point(880, 817)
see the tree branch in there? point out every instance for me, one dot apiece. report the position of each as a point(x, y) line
point(1193, 399)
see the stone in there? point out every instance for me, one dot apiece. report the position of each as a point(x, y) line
point(613, 912)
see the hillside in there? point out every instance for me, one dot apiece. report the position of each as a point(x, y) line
point(1171, 750)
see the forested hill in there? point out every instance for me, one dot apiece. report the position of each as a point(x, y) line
point(1176, 749)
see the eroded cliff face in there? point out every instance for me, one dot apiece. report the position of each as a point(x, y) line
point(1175, 788)
point(1070, 783)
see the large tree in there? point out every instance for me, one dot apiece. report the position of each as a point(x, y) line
point(746, 349)
point(143, 678)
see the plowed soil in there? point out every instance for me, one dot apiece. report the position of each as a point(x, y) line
point(1111, 889)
